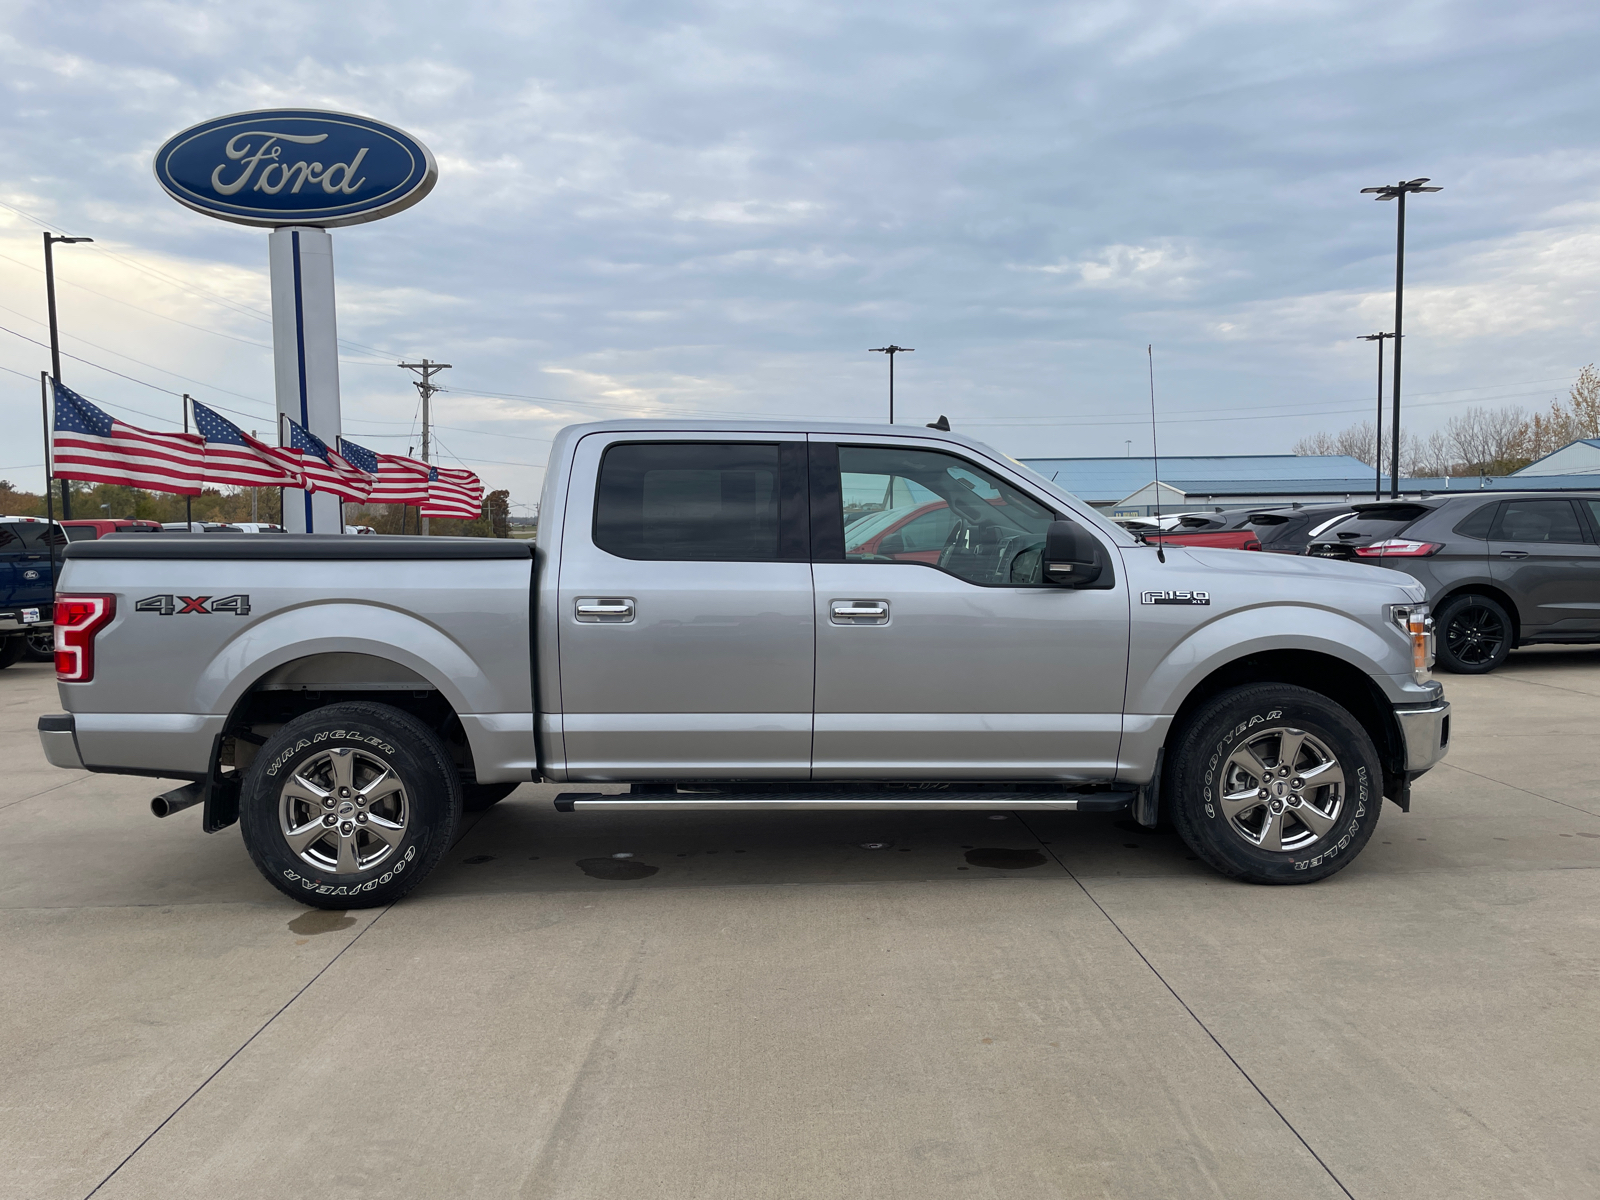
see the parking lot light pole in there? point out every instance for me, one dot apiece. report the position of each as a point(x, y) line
point(1377, 449)
point(891, 350)
point(1398, 191)
point(50, 239)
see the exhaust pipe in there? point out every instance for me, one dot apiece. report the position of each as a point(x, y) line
point(178, 799)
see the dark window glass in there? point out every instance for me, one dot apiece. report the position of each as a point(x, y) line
point(1478, 523)
point(80, 533)
point(10, 540)
point(925, 506)
point(704, 501)
point(1374, 524)
point(1537, 521)
point(1594, 511)
point(29, 537)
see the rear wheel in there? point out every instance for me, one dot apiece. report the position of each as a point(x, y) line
point(1474, 635)
point(350, 806)
point(1272, 783)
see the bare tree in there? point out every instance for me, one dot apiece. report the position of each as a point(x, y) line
point(1358, 441)
point(1487, 441)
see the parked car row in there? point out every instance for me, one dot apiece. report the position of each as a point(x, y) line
point(30, 552)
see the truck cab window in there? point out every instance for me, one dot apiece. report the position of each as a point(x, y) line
point(932, 508)
point(698, 501)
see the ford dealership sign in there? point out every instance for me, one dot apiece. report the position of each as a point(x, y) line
point(295, 166)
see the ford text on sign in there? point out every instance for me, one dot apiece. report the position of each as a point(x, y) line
point(295, 166)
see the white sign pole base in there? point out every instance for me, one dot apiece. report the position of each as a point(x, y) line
point(305, 341)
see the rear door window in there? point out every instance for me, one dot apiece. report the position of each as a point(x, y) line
point(702, 501)
point(1538, 521)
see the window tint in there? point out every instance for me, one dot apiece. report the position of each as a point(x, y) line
point(930, 507)
point(1594, 511)
point(29, 537)
point(1478, 523)
point(81, 533)
point(1537, 521)
point(705, 501)
point(1374, 524)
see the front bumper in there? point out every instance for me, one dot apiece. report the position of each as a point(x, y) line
point(60, 741)
point(1425, 729)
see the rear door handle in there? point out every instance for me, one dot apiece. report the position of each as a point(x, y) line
point(1513, 554)
point(859, 612)
point(608, 610)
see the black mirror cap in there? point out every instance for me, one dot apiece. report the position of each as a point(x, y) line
point(1072, 558)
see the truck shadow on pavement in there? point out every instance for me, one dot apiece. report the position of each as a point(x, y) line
point(523, 844)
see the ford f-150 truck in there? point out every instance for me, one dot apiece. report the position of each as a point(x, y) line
point(700, 623)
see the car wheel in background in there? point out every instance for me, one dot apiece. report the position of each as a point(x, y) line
point(10, 650)
point(1272, 783)
point(475, 797)
point(1472, 635)
point(350, 806)
point(39, 646)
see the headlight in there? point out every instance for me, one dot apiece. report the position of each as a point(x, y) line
point(1416, 622)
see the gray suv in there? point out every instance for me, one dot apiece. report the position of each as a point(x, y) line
point(1502, 571)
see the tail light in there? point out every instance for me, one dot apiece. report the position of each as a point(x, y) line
point(77, 620)
point(1399, 548)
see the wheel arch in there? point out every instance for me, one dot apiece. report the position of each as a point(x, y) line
point(1499, 595)
point(1346, 685)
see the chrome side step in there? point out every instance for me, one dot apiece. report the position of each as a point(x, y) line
point(843, 801)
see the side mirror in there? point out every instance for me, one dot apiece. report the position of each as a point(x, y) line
point(1072, 558)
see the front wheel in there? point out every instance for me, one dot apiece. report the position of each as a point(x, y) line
point(1272, 783)
point(350, 806)
point(1473, 635)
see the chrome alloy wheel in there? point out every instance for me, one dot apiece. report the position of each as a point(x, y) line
point(1281, 789)
point(344, 811)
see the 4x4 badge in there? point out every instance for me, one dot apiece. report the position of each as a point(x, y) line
point(167, 605)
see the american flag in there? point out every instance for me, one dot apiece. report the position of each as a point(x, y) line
point(401, 480)
point(91, 444)
point(233, 457)
point(325, 470)
point(453, 493)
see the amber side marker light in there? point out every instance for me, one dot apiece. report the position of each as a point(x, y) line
point(77, 620)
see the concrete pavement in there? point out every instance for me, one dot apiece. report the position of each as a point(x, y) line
point(778, 1011)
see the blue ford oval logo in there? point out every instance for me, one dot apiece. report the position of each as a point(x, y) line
point(295, 166)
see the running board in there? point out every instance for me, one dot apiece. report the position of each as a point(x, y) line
point(843, 801)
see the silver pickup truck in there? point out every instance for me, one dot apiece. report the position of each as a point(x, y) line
point(748, 616)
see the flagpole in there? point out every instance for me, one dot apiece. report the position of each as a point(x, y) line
point(188, 501)
point(49, 499)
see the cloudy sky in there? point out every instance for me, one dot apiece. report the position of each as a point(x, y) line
point(665, 207)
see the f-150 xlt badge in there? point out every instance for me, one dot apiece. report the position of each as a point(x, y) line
point(166, 606)
point(1177, 597)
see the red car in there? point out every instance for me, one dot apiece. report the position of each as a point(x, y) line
point(92, 528)
point(909, 533)
point(1219, 539)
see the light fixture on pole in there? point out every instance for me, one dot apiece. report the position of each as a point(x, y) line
point(50, 239)
point(1377, 449)
point(891, 350)
point(1398, 191)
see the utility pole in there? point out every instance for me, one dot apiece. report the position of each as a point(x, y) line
point(426, 388)
point(891, 350)
point(1398, 191)
point(50, 239)
point(1377, 451)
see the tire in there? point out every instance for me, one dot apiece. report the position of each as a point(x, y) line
point(476, 797)
point(1238, 809)
point(1473, 634)
point(294, 784)
point(39, 646)
point(10, 650)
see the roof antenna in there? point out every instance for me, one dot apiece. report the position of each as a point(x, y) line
point(1155, 449)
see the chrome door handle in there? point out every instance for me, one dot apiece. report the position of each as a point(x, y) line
point(859, 612)
point(613, 610)
point(1513, 554)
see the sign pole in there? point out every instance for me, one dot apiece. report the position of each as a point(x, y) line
point(305, 343)
point(49, 499)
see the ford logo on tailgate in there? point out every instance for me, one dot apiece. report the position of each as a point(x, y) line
point(295, 166)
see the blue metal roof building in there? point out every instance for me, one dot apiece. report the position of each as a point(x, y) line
point(1125, 486)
